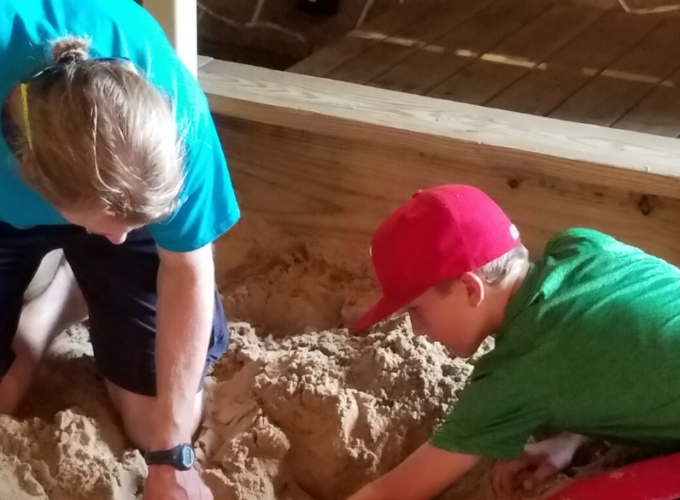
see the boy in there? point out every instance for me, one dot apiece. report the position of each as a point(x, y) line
point(587, 339)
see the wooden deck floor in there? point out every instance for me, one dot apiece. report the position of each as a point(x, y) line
point(566, 61)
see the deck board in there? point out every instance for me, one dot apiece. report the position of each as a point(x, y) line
point(388, 52)
point(424, 69)
point(658, 113)
point(361, 39)
point(621, 86)
point(509, 61)
point(542, 57)
point(544, 89)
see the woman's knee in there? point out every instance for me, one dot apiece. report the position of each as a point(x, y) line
point(44, 275)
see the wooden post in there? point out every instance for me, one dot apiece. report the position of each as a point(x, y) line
point(179, 20)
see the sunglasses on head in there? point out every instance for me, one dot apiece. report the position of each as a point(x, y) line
point(59, 67)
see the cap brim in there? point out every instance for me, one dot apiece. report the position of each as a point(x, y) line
point(382, 310)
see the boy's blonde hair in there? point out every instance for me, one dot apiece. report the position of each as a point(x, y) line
point(497, 270)
point(99, 137)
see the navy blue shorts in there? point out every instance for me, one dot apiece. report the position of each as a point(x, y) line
point(119, 286)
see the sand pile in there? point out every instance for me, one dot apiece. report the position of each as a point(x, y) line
point(67, 443)
point(289, 285)
point(297, 409)
point(315, 415)
point(64, 459)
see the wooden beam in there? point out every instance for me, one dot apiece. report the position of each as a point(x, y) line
point(179, 20)
point(330, 158)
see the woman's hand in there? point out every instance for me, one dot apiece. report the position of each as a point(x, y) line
point(166, 483)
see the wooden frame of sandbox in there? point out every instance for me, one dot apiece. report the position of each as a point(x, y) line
point(331, 159)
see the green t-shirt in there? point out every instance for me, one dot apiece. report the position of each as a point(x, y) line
point(590, 344)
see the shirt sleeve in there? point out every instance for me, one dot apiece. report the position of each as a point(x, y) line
point(208, 206)
point(494, 417)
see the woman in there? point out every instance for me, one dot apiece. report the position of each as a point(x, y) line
point(109, 152)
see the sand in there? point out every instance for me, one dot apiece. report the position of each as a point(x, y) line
point(296, 410)
point(324, 412)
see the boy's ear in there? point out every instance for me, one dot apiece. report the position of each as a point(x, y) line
point(474, 287)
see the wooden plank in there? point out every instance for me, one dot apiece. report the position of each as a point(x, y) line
point(309, 183)
point(622, 85)
point(362, 38)
point(544, 88)
point(203, 60)
point(463, 133)
point(388, 52)
point(510, 60)
point(423, 70)
point(329, 158)
point(658, 113)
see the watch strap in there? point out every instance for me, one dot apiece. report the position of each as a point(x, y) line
point(181, 457)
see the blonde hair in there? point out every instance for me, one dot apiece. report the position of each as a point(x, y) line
point(495, 272)
point(498, 269)
point(99, 137)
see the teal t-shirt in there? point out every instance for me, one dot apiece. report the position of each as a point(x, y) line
point(119, 28)
point(590, 344)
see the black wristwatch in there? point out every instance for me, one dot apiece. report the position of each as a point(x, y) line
point(181, 457)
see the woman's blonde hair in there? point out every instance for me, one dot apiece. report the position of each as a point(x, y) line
point(99, 137)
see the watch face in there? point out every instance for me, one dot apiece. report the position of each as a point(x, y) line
point(187, 456)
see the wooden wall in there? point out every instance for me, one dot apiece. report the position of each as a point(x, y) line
point(328, 158)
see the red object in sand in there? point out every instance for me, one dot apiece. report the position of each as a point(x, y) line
point(655, 479)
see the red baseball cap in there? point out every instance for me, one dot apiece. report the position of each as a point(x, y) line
point(438, 235)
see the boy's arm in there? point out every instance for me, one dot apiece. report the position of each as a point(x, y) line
point(426, 472)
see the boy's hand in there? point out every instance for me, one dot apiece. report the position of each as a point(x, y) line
point(540, 463)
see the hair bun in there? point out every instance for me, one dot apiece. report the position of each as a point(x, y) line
point(70, 50)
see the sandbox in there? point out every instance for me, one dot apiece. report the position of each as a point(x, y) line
point(297, 409)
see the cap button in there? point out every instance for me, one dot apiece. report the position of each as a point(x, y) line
point(417, 193)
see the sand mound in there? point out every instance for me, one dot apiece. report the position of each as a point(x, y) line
point(288, 285)
point(68, 444)
point(321, 413)
point(66, 459)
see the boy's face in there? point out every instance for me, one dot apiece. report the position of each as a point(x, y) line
point(452, 313)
